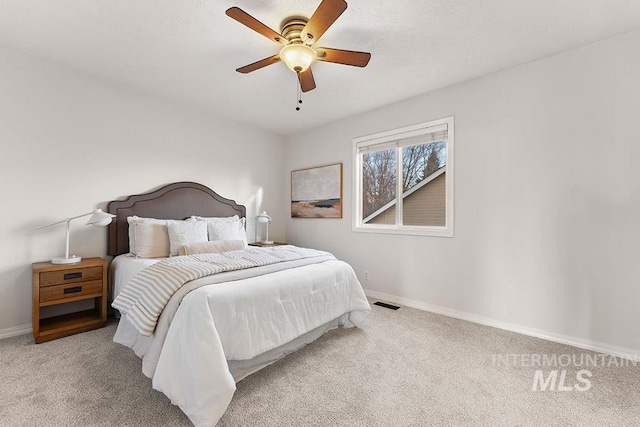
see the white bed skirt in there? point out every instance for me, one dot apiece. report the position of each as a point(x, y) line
point(127, 335)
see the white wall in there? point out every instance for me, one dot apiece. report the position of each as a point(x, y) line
point(547, 199)
point(70, 143)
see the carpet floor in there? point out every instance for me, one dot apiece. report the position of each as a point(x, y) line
point(409, 368)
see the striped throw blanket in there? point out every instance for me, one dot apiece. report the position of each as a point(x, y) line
point(149, 291)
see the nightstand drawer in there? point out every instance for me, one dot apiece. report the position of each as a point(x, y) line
point(70, 290)
point(72, 275)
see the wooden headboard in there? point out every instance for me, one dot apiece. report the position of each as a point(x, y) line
point(179, 200)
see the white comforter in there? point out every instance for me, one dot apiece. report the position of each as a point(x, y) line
point(241, 319)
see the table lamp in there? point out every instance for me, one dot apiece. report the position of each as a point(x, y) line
point(99, 219)
point(265, 219)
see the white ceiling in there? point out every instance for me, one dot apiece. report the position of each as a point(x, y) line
point(188, 50)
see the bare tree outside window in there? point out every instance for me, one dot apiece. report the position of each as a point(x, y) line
point(378, 180)
point(420, 161)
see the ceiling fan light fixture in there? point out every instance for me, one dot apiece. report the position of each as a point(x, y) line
point(298, 57)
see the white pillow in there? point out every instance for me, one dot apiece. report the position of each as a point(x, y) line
point(183, 233)
point(227, 230)
point(215, 247)
point(151, 239)
point(132, 220)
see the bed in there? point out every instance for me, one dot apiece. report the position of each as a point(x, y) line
point(212, 330)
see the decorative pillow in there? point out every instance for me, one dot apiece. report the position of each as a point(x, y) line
point(132, 220)
point(227, 230)
point(184, 233)
point(217, 219)
point(215, 247)
point(151, 239)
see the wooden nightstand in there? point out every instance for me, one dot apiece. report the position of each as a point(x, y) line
point(264, 245)
point(55, 284)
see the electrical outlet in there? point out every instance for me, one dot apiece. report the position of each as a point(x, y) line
point(366, 275)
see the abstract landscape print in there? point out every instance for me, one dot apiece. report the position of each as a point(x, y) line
point(317, 192)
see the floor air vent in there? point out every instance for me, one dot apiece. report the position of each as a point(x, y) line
point(385, 305)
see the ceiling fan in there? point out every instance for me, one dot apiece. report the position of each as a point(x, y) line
point(299, 37)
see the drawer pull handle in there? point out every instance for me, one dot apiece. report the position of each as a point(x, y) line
point(73, 290)
point(69, 276)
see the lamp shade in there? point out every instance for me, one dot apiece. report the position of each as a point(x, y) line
point(100, 218)
point(263, 217)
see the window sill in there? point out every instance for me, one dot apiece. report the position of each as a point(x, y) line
point(413, 231)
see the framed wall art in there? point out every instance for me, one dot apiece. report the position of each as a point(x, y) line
point(317, 192)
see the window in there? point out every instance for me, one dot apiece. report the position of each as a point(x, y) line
point(404, 180)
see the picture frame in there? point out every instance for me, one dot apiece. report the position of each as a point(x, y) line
point(317, 192)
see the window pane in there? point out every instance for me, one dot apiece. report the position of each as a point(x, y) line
point(379, 187)
point(423, 183)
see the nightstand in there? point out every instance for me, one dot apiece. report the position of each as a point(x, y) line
point(264, 245)
point(55, 284)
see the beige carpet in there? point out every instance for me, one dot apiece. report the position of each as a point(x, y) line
point(409, 368)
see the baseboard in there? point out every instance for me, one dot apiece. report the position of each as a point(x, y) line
point(15, 331)
point(624, 353)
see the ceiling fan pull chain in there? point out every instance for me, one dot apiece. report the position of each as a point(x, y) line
point(299, 96)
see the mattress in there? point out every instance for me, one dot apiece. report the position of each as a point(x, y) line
point(123, 268)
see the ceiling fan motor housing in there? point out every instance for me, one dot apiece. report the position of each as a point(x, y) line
point(292, 29)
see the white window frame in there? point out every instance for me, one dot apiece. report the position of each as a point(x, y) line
point(395, 135)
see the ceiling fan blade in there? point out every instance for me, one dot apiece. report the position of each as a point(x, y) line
point(306, 80)
point(345, 57)
point(322, 18)
point(259, 64)
point(245, 19)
